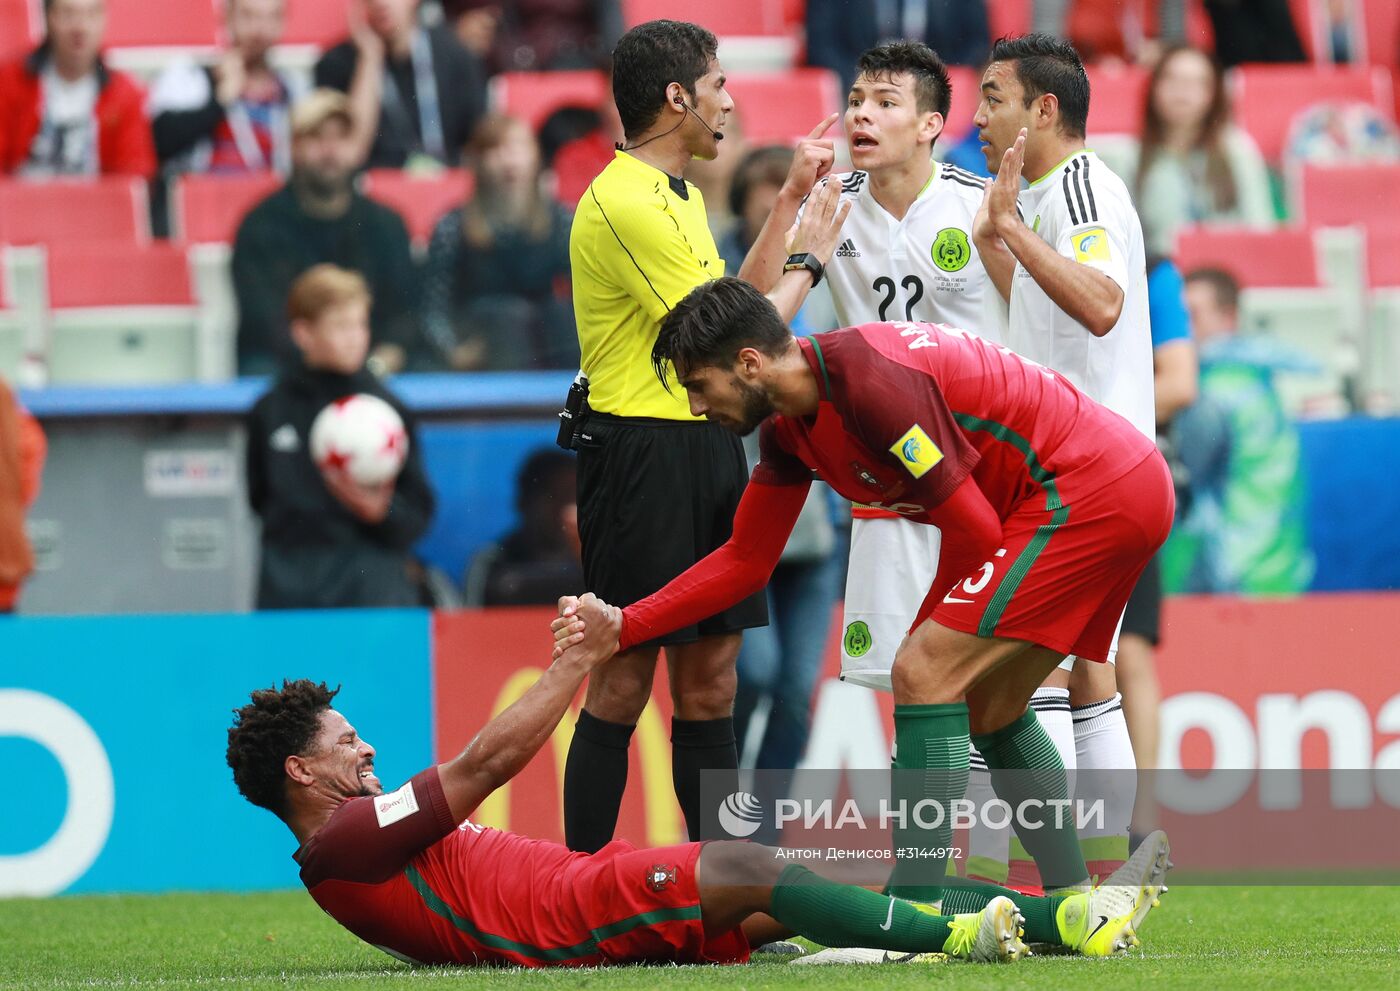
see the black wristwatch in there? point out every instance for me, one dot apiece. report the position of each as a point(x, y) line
point(808, 261)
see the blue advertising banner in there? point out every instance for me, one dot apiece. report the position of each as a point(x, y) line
point(114, 729)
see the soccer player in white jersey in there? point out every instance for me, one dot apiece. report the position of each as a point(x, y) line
point(906, 254)
point(1066, 254)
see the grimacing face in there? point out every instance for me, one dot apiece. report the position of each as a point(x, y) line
point(342, 763)
point(722, 396)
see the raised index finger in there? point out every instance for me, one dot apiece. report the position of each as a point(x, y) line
point(823, 127)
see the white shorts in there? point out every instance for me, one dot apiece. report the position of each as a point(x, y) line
point(893, 562)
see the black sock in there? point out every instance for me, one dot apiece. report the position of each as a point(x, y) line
point(595, 776)
point(701, 745)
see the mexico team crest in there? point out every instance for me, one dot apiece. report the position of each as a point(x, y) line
point(950, 249)
point(858, 640)
point(660, 875)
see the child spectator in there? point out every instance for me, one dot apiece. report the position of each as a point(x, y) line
point(328, 541)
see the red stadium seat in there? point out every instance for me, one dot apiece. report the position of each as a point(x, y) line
point(1383, 258)
point(1009, 17)
point(533, 96)
point(179, 23)
point(723, 17)
point(17, 33)
point(967, 93)
point(420, 201)
point(321, 23)
point(209, 208)
point(110, 209)
point(1284, 258)
point(118, 275)
point(1341, 195)
point(1117, 98)
point(780, 107)
point(1268, 97)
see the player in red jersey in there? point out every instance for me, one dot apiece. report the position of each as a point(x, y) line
point(1050, 505)
point(407, 872)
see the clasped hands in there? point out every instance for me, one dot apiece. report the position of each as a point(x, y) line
point(587, 627)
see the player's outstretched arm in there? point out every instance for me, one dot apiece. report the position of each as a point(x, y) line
point(729, 574)
point(508, 742)
point(811, 160)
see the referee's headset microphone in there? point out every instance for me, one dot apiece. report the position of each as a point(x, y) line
point(680, 101)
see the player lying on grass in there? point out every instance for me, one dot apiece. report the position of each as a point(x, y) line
point(1050, 506)
point(407, 872)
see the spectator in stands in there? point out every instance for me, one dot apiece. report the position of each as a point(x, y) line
point(231, 116)
point(22, 450)
point(530, 35)
point(539, 560)
point(1193, 165)
point(415, 91)
point(328, 541)
point(318, 216)
point(63, 112)
point(496, 279)
point(1244, 530)
point(838, 31)
point(1254, 31)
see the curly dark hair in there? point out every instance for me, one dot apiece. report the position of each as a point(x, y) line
point(269, 729)
point(932, 89)
point(1046, 64)
point(649, 58)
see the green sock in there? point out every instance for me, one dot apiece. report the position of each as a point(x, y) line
point(1025, 765)
point(931, 738)
point(962, 895)
point(843, 915)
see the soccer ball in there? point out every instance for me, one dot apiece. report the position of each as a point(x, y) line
point(361, 434)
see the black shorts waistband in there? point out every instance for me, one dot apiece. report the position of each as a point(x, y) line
point(643, 421)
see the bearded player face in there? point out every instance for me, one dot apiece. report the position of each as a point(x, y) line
point(725, 397)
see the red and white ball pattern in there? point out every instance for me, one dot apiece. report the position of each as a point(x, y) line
point(363, 435)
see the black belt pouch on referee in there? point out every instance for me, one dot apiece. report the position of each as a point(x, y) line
point(654, 497)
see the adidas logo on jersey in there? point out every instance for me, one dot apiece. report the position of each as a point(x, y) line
point(847, 250)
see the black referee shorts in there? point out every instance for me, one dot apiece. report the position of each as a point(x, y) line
point(1143, 616)
point(654, 497)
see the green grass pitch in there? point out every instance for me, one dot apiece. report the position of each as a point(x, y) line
point(1203, 937)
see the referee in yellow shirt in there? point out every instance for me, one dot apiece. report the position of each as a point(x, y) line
point(657, 487)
